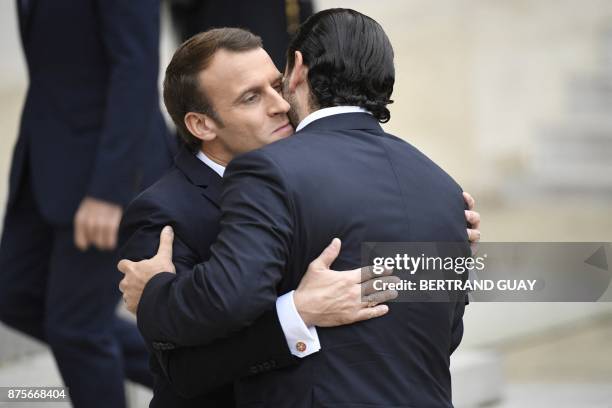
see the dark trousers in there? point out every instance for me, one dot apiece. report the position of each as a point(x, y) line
point(67, 298)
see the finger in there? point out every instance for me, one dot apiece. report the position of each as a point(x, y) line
point(329, 254)
point(473, 218)
point(366, 273)
point(109, 233)
point(113, 233)
point(124, 265)
point(469, 200)
point(80, 238)
point(473, 235)
point(131, 306)
point(474, 248)
point(102, 234)
point(379, 297)
point(90, 231)
point(165, 244)
point(368, 287)
point(371, 313)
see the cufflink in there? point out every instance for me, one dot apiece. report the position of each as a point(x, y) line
point(300, 346)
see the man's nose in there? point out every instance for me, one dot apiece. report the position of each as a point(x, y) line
point(278, 105)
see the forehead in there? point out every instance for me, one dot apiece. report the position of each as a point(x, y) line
point(230, 73)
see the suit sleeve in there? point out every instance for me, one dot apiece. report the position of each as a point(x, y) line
point(461, 302)
point(257, 348)
point(139, 233)
point(457, 328)
point(130, 34)
point(247, 261)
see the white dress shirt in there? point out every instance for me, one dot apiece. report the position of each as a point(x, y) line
point(322, 113)
point(301, 339)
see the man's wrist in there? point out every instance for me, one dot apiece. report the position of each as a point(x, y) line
point(302, 340)
point(300, 303)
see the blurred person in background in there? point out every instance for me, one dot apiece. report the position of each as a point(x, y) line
point(275, 21)
point(91, 136)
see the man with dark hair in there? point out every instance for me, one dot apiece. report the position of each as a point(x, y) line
point(342, 176)
point(333, 81)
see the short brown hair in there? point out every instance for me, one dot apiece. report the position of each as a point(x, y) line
point(182, 91)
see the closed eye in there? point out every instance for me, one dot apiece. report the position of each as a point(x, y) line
point(251, 98)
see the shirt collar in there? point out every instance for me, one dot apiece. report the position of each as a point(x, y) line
point(216, 167)
point(319, 114)
point(322, 113)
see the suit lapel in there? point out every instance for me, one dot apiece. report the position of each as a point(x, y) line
point(200, 175)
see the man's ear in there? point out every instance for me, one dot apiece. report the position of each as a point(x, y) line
point(299, 73)
point(200, 125)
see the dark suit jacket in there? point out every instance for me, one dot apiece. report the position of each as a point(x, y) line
point(91, 114)
point(341, 176)
point(187, 198)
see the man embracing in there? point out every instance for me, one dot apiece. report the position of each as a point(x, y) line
point(341, 176)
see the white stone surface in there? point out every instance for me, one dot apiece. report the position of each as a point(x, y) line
point(477, 378)
point(557, 396)
point(39, 369)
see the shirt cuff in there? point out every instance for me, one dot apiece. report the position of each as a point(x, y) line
point(302, 340)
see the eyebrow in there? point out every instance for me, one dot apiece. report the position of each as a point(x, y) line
point(255, 88)
point(279, 78)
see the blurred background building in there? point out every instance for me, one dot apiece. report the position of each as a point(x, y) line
point(514, 99)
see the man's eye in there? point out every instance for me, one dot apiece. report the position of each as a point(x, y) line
point(278, 88)
point(251, 98)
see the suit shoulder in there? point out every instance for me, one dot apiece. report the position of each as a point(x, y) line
point(276, 155)
point(159, 204)
point(401, 147)
point(163, 203)
point(258, 160)
point(155, 197)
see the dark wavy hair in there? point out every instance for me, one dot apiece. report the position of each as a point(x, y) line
point(349, 60)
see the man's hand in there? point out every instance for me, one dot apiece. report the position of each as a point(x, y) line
point(96, 223)
point(137, 274)
point(473, 218)
point(327, 298)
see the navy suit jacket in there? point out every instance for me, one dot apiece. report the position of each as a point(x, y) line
point(187, 198)
point(341, 176)
point(91, 123)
